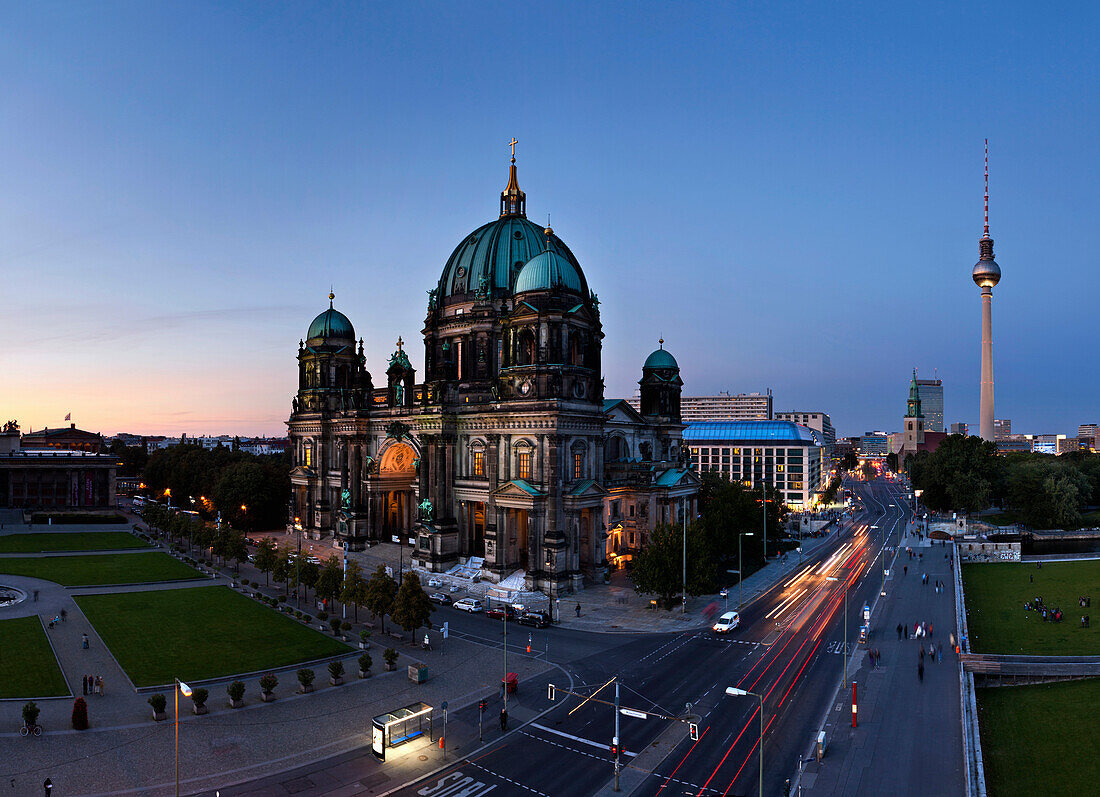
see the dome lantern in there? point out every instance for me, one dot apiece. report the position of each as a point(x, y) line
point(513, 202)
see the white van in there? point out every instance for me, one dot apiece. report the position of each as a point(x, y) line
point(726, 623)
point(472, 605)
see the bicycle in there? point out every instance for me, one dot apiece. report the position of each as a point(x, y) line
point(27, 730)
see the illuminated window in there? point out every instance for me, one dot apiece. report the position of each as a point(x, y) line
point(479, 463)
point(309, 456)
point(578, 465)
point(525, 465)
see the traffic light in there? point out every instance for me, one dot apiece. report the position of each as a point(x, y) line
point(693, 729)
point(550, 692)
point(614, 749)
point(484, 704)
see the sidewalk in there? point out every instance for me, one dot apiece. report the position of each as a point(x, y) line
point(909, 738)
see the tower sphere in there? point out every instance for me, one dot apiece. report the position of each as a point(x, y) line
point(986, 273)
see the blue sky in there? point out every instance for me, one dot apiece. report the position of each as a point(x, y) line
point(789, 193)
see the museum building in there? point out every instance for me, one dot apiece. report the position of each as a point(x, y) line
point(505, 456)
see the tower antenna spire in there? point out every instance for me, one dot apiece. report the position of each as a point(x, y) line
point(987, 188)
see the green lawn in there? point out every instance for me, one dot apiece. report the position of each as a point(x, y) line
point(85, 571)
point(27, 664)
point(47, 542)
point(995, 597)
point(204, 632)
point(1042, 739)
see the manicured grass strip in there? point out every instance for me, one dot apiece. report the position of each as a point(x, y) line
point(48, 542)
point(27, 664)
point(204, 632)
point(1042, 739)
point(87, 571)
point(995, 597)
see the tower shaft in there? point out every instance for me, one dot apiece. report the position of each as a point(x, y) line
point(986, 410)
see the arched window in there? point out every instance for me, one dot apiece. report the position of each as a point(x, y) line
point(524, 453)
point(576, 348)
point(577, 460)
point(477, 459)
point(617, 448)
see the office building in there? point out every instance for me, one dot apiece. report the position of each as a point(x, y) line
point(1002, 429)
point(780, 454)
point(874, 444)
point(726, 407)
point(931, 399)
point(820, 422)
point(960, 428)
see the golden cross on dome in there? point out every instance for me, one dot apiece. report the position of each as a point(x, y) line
point(512, 144)
point(400, 343)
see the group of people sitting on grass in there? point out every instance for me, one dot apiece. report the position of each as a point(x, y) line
point(1052, 615)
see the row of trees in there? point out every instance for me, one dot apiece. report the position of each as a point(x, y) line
point(408, 605)
point(224, 543)
point(965, 474)
point(248, 490)
point(727, 510)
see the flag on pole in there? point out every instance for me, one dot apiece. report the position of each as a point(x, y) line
point(69, 417)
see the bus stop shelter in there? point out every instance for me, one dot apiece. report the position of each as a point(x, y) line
point(399, 726)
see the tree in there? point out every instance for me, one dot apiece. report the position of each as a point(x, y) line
point(308, 574)
point(849, 461)
point(284, 568)
point(658, 568)
point(892, 461)
point(411, 607)
point(266, 558)
point(235, 547)
point(354, 589)
point(380, 593)
point(330, 579)
point(963, 474)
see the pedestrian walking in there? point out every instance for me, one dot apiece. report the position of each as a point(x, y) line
point(899, 632)
point(578, 610)
point(84, 685)
point(929, 629)
point(939, 653)
point(920, 672)
point(36, 596)
point(932, 653)
point(922, 652)
point(905, 570)
point(503, 720)
point(84, 641)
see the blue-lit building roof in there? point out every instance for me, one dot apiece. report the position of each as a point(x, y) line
point(750, 431)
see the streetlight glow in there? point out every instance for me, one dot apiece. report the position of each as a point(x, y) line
point(733, 691)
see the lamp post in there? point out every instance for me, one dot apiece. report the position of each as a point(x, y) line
point(180, 687)
point(844, 656)
point(882, 553)
point(244, 518)
point(298, 565)
point(741, 565)
point(733, 691)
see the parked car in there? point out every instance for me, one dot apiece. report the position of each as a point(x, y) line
point(726, 623)
point(535, 619)
point(435, 582)
point(440, 598)
point(313, 560)
point(472, 605)
point(499, 612)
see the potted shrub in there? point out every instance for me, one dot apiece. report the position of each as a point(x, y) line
point(322, 616)
point(345, 627)
point(30, 714)
point(364, 665)
point(336, 672)
point(158, 702)
point(268, 682)
point(363, 637)
point(305, 679)
point(307, 618)
point(198, 697)
point(236, 694)
point(80, 714)
point(390, 656)
point(334, 624)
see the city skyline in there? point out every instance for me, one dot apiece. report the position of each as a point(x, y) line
point(187, 183)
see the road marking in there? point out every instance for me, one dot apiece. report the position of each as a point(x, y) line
point(513, 782)
point(580, 739)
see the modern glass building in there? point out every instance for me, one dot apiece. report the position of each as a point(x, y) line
point(931, 401)
point(781, 454)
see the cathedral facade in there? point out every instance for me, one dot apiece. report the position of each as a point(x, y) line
point(505, 455)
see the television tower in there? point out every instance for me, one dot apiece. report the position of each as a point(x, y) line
point(986, 274)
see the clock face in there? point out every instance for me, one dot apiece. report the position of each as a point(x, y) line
point(524, 387)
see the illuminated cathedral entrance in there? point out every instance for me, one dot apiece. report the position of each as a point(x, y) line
point(392, 493)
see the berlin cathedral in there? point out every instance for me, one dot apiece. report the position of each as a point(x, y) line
point(505, 456)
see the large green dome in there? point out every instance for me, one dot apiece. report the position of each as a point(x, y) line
point(331, 325)
point(495, 252)
point(548, 271)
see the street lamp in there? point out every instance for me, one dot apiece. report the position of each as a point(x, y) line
point(741, 565)
point(844, 656)
point(882, 553)
point(180, 687)
point(733, 691)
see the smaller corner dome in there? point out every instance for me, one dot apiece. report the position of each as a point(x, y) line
point(661, 358)
point(548, 271)
point(331, 325)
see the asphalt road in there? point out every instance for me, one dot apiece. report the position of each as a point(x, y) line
point(789, 650)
